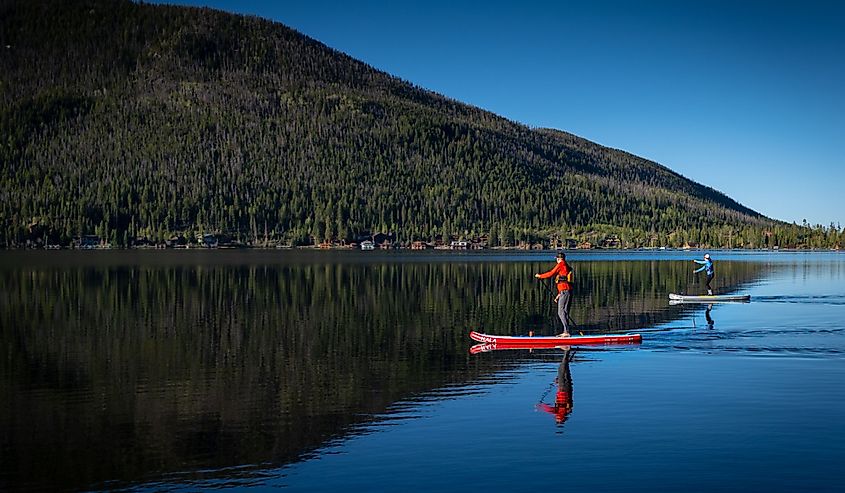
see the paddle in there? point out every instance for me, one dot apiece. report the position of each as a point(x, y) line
point(543, 308)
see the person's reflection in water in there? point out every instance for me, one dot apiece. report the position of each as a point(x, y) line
point(563, 398)
point(708, 317)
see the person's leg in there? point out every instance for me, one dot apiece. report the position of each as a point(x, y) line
point(562, 310)
point(709, 289)
point(564, 377)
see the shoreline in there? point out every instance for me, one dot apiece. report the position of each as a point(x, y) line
point(429, 251)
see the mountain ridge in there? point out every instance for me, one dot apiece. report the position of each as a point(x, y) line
point(187, 120)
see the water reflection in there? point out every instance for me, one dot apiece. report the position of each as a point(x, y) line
point(134, 368)
point(562, 406)
point(710, 322)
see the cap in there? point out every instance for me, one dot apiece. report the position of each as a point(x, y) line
point(706, 255)
point(560, 255)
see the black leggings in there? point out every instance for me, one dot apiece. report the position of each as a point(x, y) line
point(709, 278)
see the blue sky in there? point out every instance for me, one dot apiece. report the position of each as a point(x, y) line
point(746, 97)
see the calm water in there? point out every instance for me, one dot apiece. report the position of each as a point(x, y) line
point(187, 370)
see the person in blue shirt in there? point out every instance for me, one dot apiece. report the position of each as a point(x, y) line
point(706, 265)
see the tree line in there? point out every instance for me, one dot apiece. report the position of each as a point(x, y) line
point(135, 122)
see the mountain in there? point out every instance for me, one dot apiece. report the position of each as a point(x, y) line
point(131, 121)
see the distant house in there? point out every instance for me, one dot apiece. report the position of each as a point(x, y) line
point(419, 245)
point(176, 241)
point(368, 245)
point(479, 243)
point(142, 242)
point(611, 242)
point(379, 239)
point(226, 241)
point(89, 241)
point(459, 245)
point(386, 245)
point(207, 240)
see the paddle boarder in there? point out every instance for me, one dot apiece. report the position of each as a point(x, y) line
point(563, 277)
point(706, 265)
point(563, 397)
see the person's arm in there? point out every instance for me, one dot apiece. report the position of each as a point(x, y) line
point(699, 269)
point(545, 407)
point(702, 262)
point(546, 275)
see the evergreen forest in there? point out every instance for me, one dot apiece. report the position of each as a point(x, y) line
point(144, 124)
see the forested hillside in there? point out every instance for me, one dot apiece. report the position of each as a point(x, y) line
point(134, 121)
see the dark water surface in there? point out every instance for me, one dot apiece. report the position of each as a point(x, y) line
point(316, 371)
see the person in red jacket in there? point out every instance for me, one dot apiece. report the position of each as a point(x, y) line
point(563, 397)
point(563, 278)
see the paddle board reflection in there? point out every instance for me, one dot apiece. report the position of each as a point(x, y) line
point(562, 406)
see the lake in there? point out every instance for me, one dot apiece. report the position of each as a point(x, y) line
point(315, 371)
